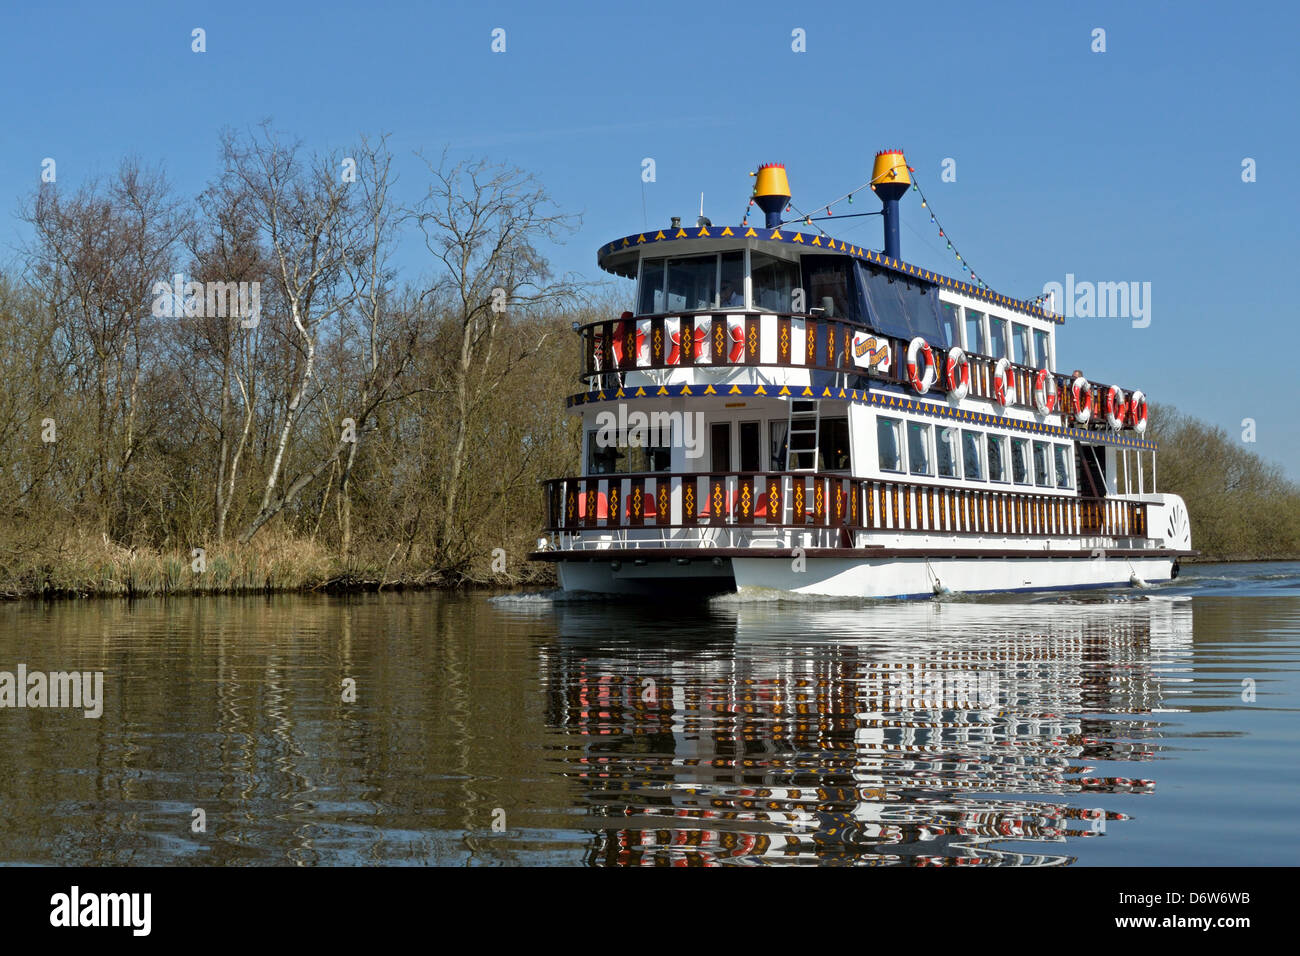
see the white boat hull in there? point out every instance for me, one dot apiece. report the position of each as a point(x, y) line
point(859, 577)
point(919, 577)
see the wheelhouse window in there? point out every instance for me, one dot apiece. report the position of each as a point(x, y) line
point(651, 300)
point(830, 285)
point(918, 449)
point(975, 333)
point(773, 282)
point(1043, 351)
point(692, 283)
point(972, 455)
point(1020, 353)
point(997, 447)
point(998, 337)
point(945, 446)
point(1042, 465)
point(1020, 461)
point(1064, 471)
point(889, 443)
point(731, 281)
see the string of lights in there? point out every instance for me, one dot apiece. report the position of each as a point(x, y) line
point(807, 219)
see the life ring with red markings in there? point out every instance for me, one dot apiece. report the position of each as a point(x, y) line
point(1004, 382)
point(1116, 407)
point(1137, 411)
point(958, 381)
point(1081, 393)
point(921, 382)
point(1044, 400)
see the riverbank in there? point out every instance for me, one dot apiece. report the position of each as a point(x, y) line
point(82, 566)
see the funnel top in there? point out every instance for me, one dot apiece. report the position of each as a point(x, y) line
point(890, 167)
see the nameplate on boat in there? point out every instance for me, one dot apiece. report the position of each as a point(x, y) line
point(870, 352)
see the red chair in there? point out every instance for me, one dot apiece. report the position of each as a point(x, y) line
point(602, 506)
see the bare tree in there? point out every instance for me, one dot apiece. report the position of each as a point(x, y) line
point(96, 257)
point(303, 209)
point(227, 249)
point(483, 224)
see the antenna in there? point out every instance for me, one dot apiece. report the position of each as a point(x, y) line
point(702, 221)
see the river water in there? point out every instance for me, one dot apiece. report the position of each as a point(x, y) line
point(1154, 727)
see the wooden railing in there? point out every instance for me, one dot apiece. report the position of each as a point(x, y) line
point(812, 500)
point(740, 339)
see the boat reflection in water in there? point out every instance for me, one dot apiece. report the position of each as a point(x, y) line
point(917, 733)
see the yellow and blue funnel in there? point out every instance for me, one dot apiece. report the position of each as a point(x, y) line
point(890, 178)
point(772, 192)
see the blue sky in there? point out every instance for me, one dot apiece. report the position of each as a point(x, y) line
point(1115, 166)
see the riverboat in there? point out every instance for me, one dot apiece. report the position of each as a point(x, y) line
point(785, 410)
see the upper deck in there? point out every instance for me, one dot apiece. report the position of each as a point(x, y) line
point(780, 311)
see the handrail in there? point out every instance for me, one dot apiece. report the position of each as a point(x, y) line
point(660, 500)
point(740, 338)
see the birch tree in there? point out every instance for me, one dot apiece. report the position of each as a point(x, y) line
point(483, 225)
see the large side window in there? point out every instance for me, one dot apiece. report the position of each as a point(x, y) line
point(997, 448)
point(918, 448)
point(1020, 344)
point(751, 451)
point(833, 444)
point(975, 333)
point(623, 458)
point(998, 337)
point(1064, 467)
point(720, 447)
point(1042, 465)
point(1043, 351)
point(889, 444)
point(945, 446)
point(950, 324)
point(972, 455)
point(1020, 460)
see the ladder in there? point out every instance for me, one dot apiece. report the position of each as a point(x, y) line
point(803, 423)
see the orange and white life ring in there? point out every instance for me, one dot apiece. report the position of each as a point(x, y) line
point(1044, 400)
point(1115, 407)
point(958, 381)
point(1081, 392)
point(919, 382)
point(1004, 382)
point(1137, 411)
